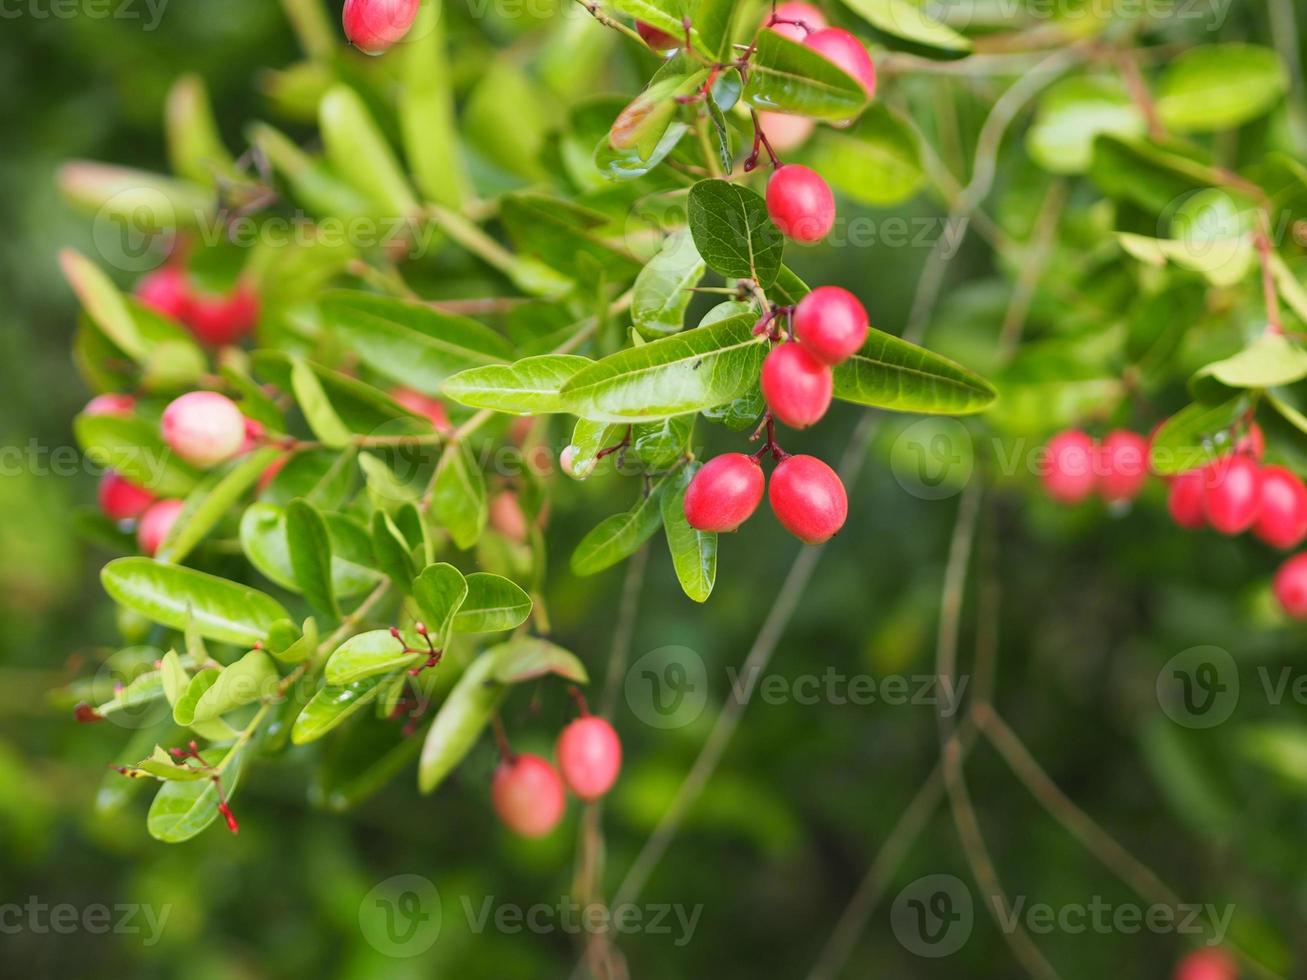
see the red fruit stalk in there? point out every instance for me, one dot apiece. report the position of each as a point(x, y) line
point(795, 20)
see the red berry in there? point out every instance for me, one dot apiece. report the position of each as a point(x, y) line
point(110, 404)
point(424, 405)
point(506, 516)
point(1207, 964)
point(800, 203)
point(589, 757)
point(221, 319)
point(656, 39)
point(166, 291)
point(1069, 476)
point(372, 26)
point(1290, 586)
point(528, 795)
point(724, 493)
point(831, 324)
point(847, 53)
point(1123, 465)
point(808, 498)
point(1282, 518)
point(1232, 494)
point(797, 386)
point(204, 427)
point(121, 499)
point(1185, 500)
point(812, 19)
point(156, 523)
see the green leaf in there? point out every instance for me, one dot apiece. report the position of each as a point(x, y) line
point(102, 301)
point(1271, 361)
point(1223, 262)
point(786, 76)
point(161, 765)
point(309, 545)
point(183, 712)
point(195, 149)
point(373, 652)
point(528, 657)
point(458, 499)
point(1219, 86)
point(905, 20)
point(1195, 436)
point(877, 161)
point(264, 540)
point(493, 603)
point(1151, 176)
point(526, 387)
point(133, 447)
point(689, 372)
point(891, 373)
point(734, 233)
point(627, 163)
point(694, 553)
point(439, 591)
point(134, 201)
point(251, 678)
point(172, 595)
point(620, 536)
point(392, 551)
point(1073, 113)
point(332, 705)
point(714, 19)
point(565, 236)
point(317, 408)
point(360, 153)
point(408, 342)
point(211, 501)
point(426, 113)
point(667, 16)
point(181, 810)
point(663, 288)
point(459, 722)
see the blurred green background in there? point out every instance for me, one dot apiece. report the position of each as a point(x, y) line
point(1092, 605)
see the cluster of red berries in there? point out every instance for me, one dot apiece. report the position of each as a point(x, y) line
point(827, 327)
point(528, 793)
point(216, 319)
point(1232, 494)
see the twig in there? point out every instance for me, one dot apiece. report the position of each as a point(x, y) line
point(1128, 65)
point(599, 14)
point(1262, 239)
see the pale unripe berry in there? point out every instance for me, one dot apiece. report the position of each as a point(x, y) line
point(1282, 517)
point(110, 404)
point(372, 26)
point(847, 53)
point(506, 516)
point(657, 39)
point(812, 20)
point(156, 523)
point(724, 493)
point(800, 203)
point(429, 408)
point(567, 463)
point(831, 324)
point(167, 291)
point(121, 499)
point(797, 386)
point(1069, 473)
point(1185, 500)
point(1207, 964)
point(219, 319)
point(1122, 465)
point(1232, 495)
point(808, 498)
point(589, 757)
point(784, 131)
point(204, 427)
point(528, 795)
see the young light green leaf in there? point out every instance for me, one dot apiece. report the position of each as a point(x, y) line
point(620, 536)
point(182, 809)
point(183, 712)
point(663, 288)
point(210, 502)
point(526, 387)
point(373, 652)
point(317, 408)
point(1073, 113)
point(689, 372)
point(426, 113)
point(529, 657)
point(392, 551)
point(694, 553)
point(251, 678)
point(493, 603)
point(786, 76)
point(459, 722)
point(195, 149)
point(172, 595)
point(135, 201)
point(905, 20)
point(359, 151)
point(733, 231)
point(103, 303)
point(458, 498)
point(1219, 86)
point(1271, 361)
point(891, 373)
point(309, 544)
point(439, 591)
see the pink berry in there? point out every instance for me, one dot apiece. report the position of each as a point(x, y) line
point(657, 39)
point(567, 462)
point(831, 324)
point(372, 26)
point(506, 516)
point(847, 53)
point(1122, 465)
point(1185, 500)
point(796, 385)
point(204, 427)
point(110, 404)
point(724, 493)
point(1282, 518)
point(808, 498)
point(589, 757)
point(167, 291)
point(1232, 494)
point(811, 20)
point(1069, 477)
point(784, 131)
point(121, 499)
point(800, 203)
point(528, 795)
point(221, 319)
point(424, 405)
point(156, 523)
point(1290, 586)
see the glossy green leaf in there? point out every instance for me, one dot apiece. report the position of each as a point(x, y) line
point(359, 152)
point(370, 653)
point(439, 591)
point(332, 705)
point(103, 303)
point(905, 20)
point(211, 501)
point(264, 540)
point(458, 500)
point(459, 722)
point(493, 603)
point(181, 810)
point(619, 537)
point(667, 16)
point(627, 163)
point(1219, 86)
point(694, 553)
point(309, 544)
point(316, 406)
point(526, 387)
point(786, 76)
point(734, 233)
point(529, 657)
point(891, 373)
point(1195, 436)
point(392, 551)
point(663, 289)
point(252, 678)
point(172, 595)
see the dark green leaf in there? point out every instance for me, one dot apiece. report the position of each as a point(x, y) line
point(309, 544)
point(694, 553)
point(734, 233)
point(458, 499)
point(891, 373)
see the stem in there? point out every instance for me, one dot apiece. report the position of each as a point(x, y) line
point(598, 13)
point(1262, 239)
point(1137, 86)
point(705, 146)
point(467, 234)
